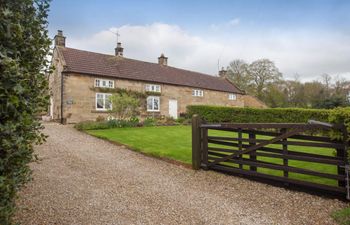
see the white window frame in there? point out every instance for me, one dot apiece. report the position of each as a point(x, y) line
point(99, 83)
point(153, 88)
point(105, 96)
point(153, 99)
point(197, 93)
point(232, 97)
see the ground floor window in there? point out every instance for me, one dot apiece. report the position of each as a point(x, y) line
point(103, 101)
point(153, 104)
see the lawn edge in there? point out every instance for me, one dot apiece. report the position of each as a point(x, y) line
point(171, 161)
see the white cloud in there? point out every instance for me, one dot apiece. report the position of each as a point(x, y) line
point(303, 52)
point(234, 22)
point(226, 25)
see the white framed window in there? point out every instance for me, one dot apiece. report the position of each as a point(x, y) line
point(197, 93)
point(153, 87)
point(153, 104)
point(103, 101)
point(232, 96)
point(104, 83)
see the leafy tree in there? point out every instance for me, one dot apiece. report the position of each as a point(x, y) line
point(275, 96)
point(124, 106)
point(263, 72)
point(295, 93)
point(314, 91)
point(24, 45)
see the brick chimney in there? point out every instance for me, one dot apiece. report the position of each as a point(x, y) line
point(222, 72)
point(162, 60)
point(119, 49)
point(60, 40)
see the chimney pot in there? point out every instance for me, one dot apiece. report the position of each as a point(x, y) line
point(60, 40)
point(162, 60)
point(222, 72)
point(119, 50)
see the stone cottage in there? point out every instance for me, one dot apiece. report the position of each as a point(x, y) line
point(82, 82)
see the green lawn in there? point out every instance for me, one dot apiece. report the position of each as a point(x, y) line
point(174, 142)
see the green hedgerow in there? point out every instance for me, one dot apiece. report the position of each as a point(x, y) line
point(24, 46)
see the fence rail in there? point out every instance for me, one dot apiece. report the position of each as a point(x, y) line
point(289, 152)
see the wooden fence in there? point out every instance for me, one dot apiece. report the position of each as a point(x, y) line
point(286, 153)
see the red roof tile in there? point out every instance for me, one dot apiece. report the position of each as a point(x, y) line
point(85, 62)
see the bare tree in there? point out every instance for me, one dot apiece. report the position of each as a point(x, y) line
point(238, 73)
point(261, 73)
point(326, 81)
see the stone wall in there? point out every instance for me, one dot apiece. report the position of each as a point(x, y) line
point(253, 102)
point(80, 102)
point(55, 86)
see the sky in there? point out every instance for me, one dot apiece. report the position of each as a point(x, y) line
point(304, 38)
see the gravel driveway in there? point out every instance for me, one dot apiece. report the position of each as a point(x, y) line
point(84, 180)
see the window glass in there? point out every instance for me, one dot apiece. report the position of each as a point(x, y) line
point(156, 104)
point(153, 103)
point(103, 101)
point(108, 103)
point(149, 103)
point(152, 87)
point(232, 97)
point(99, 103)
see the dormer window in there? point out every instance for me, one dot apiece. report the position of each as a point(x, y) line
point(197, 93)
point(232, 96)
point(104, 83)
point(153, 87)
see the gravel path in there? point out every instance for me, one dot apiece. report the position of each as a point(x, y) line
point(84, 180)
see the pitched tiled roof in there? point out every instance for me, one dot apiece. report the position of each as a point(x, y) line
point(85, 62)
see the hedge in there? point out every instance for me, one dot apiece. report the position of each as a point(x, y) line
point(274, 115)
point(24, 94)
point(251, 115)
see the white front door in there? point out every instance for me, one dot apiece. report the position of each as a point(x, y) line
point(173, 108)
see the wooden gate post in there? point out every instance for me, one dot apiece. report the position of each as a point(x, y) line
point(343, 153)
point(196, 142)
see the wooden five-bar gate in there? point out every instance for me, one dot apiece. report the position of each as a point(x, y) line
point(275, 152)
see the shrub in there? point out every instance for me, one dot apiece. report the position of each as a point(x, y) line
point(100, 118)
point(340, 116)
point(166, 121)
point(113, 123)
point(149, 122)
point(23, 93)
point(180, 120)
point(124, 106)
